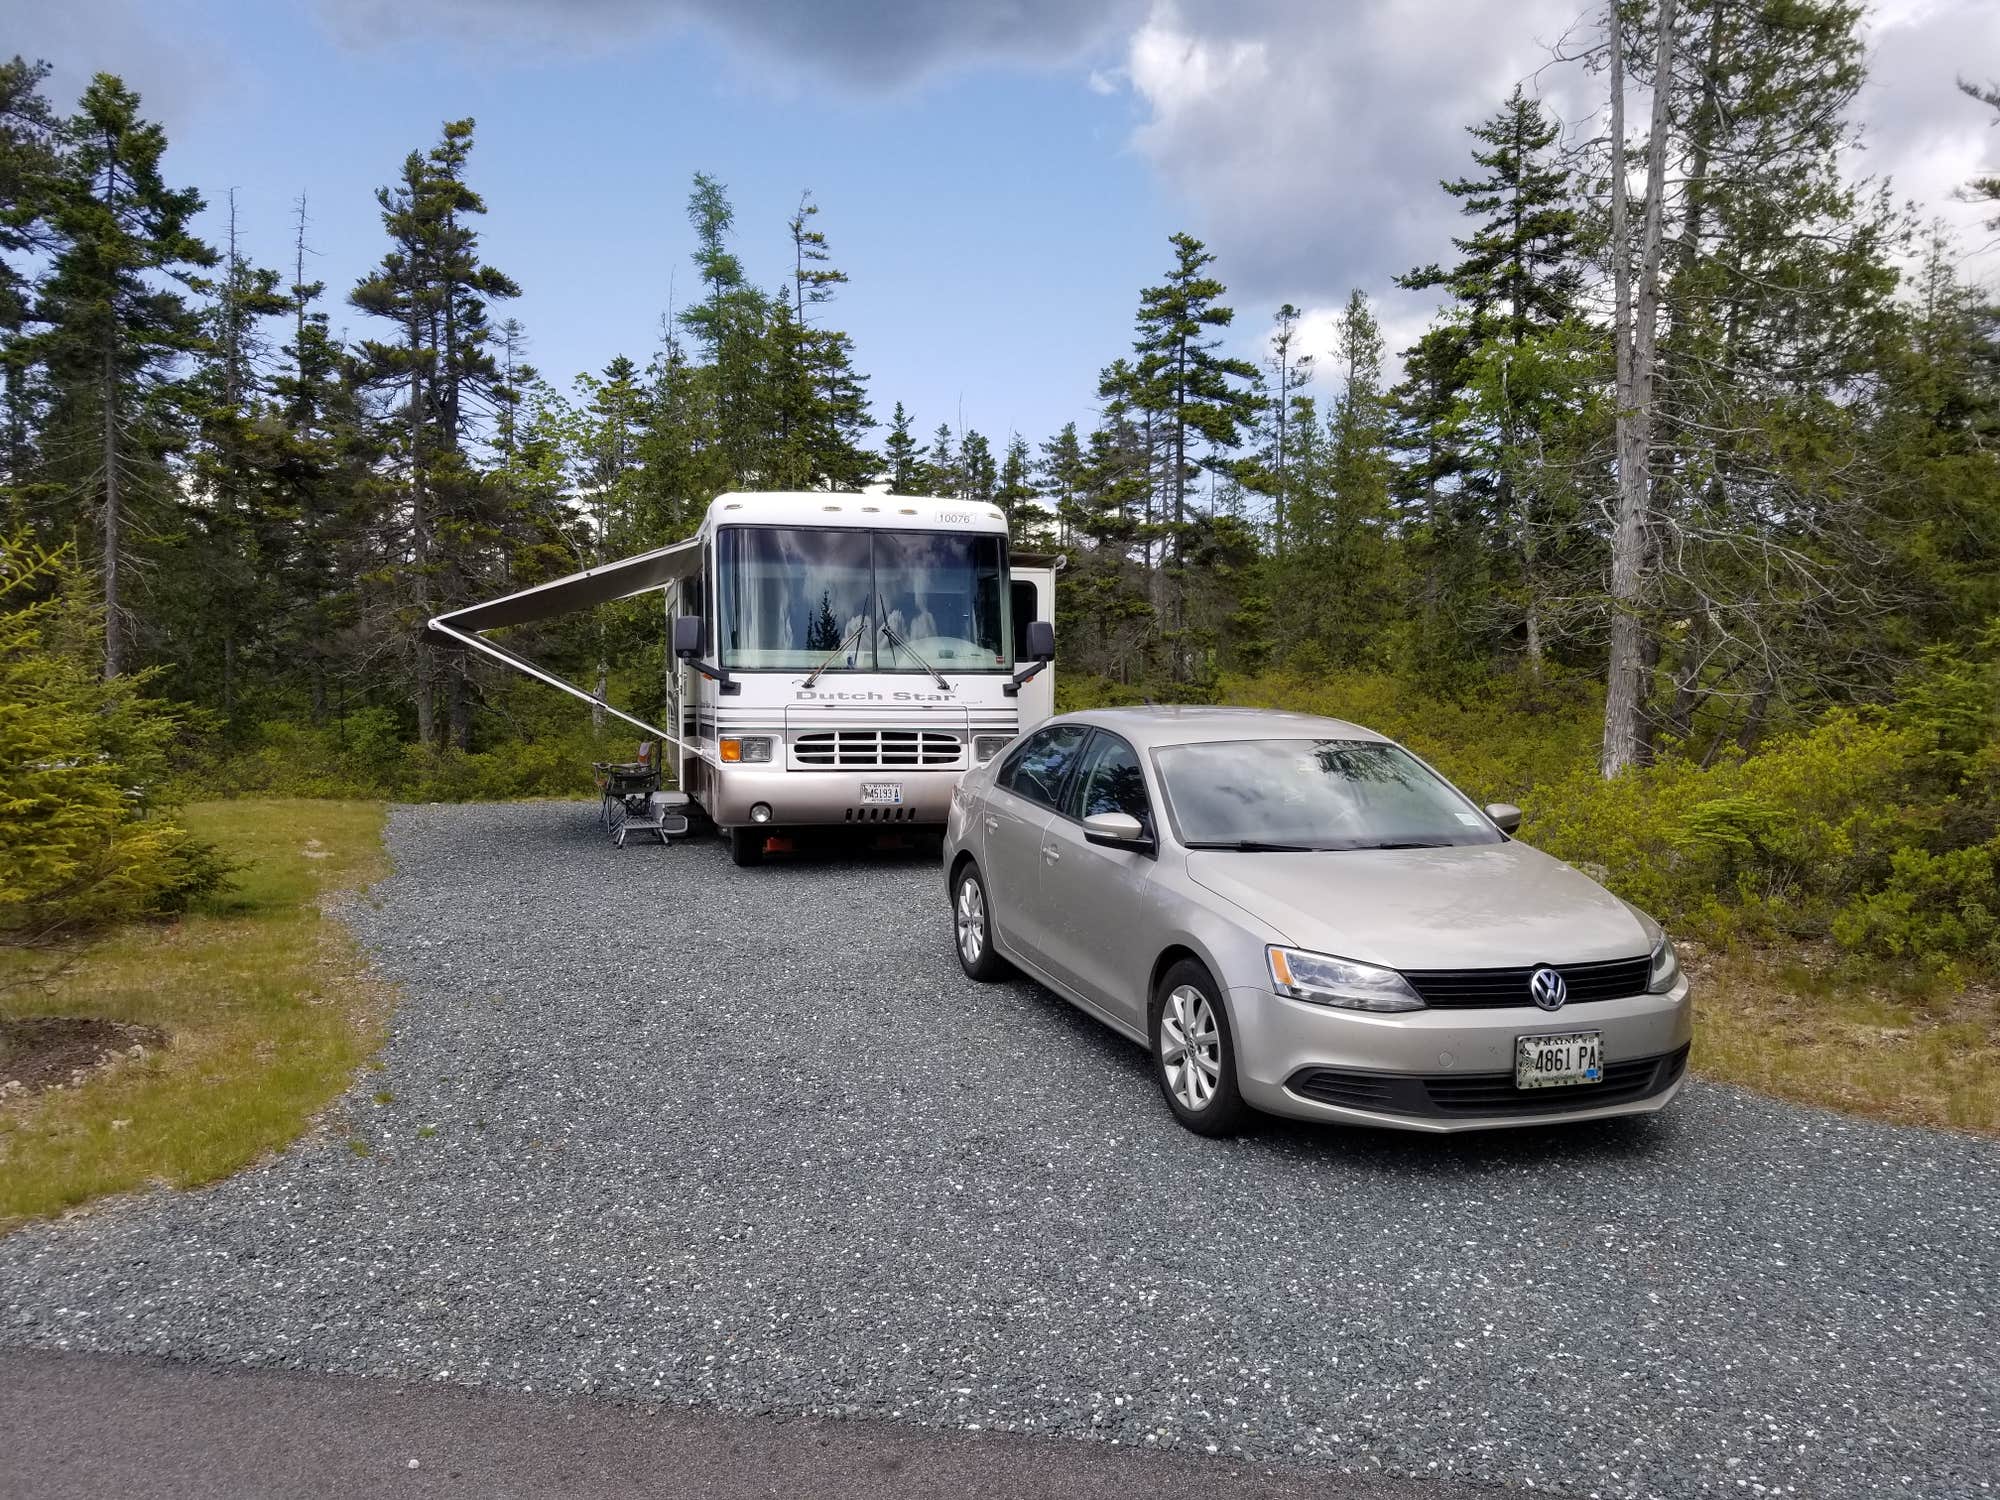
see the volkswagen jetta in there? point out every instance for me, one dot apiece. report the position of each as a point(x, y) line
point(1296, 914)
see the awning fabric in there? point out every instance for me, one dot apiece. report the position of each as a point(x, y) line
point(585, 590)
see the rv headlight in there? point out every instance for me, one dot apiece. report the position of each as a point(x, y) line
point(1326, 980)
point(986, 746)
point(750, 749)
point(1666, 968)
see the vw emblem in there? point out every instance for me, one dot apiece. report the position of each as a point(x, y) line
point(1547, 986)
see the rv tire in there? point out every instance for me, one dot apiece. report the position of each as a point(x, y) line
point(746, 846)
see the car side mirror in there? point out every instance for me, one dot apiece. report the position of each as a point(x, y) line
point(1041, 640)
point(1505, 815)
point(687, 636)
point(1116, 830)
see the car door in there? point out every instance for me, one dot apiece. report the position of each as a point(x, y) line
point(1031, 783)
point(1099, 901)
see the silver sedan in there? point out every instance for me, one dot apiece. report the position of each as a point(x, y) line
point(1295, 914)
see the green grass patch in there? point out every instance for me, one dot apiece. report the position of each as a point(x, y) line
point(266, 1004)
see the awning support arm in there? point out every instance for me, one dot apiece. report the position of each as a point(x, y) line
point(521, 663)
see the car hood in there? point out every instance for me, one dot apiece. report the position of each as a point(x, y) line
point(1481, 906)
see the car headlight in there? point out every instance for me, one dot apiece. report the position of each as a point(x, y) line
point(750, 749)
point(1666, 970)
point(1325, 980)
point(986, 746)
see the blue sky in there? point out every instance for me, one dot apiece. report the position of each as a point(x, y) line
point(998, 179)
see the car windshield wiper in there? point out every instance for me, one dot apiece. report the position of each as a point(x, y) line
point(1414, 844)
point(898, 643)
point(1254, 846)
point(838, 651)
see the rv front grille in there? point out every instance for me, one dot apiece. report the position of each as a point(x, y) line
point(863, 749)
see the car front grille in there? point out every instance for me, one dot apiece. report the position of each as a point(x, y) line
point(1465, 989)
point(862, 749)
point(1445, 1095)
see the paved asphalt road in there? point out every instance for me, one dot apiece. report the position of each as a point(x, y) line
point(83, 1426)
point(746, 1142)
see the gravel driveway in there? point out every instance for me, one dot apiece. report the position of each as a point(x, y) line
point(656, 1125)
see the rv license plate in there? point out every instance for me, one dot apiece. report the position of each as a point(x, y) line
point(1542, 1062)
point(890, 792)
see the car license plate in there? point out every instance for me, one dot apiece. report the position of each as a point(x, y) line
point(890, 792)
point(1542, 1062)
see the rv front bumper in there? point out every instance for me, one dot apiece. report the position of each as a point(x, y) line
point(799, 799)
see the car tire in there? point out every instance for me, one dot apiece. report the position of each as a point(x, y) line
point(1200, 1083)
point(972, 928)
point(746, 846)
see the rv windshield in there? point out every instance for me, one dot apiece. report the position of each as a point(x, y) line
point(791, 597)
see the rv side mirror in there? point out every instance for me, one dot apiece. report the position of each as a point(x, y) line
point(1041, 640)
point(1505, 815)
point(687, 636)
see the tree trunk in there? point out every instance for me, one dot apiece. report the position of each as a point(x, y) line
point(114, 541)
point(1634, 337)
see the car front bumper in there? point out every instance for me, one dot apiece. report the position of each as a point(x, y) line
point(1448, 1070)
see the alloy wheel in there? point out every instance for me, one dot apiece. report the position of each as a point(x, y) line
point(971, 920)
point(1190, 1047)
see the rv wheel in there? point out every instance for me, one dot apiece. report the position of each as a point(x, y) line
point(746, 846)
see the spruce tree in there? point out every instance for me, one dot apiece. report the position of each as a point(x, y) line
point(900, 454)
point(1197, 395)
point(29, 162)
point(438, 380)
point(115, 334)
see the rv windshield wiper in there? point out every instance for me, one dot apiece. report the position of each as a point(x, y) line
point(900, 644)
point(838, 651)
point(1253, 846)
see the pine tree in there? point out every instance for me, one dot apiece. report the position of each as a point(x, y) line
point(730, 323)
point(1064, 473)
point(441, 378)
point(1290, 372)
point(1335, 575)
point(900, 459)
point(116, 333)
point(1197, 396)
point(1461, 423)
point(978, 475)
point(29, 163)
point(1015, 492)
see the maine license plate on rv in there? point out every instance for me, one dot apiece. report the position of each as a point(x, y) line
point(890, 792)
point(1542, 1062)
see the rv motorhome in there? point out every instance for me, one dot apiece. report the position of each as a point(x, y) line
point(837, 659)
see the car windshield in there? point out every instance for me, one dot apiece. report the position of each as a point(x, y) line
point(1313, 794)
point(792, 597)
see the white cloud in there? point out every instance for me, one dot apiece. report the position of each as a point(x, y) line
point(1306, 141)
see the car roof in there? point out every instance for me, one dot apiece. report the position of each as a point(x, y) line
point(1153, 725)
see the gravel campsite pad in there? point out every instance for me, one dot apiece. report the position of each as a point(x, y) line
point(650, 1124)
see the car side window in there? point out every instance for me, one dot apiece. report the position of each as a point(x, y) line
point(1037, 769)
point(1110, 781)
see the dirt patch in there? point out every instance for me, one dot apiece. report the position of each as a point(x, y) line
point(52, 1052)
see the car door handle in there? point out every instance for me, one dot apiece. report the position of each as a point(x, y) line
point(1050, 854)
point(992, 823)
